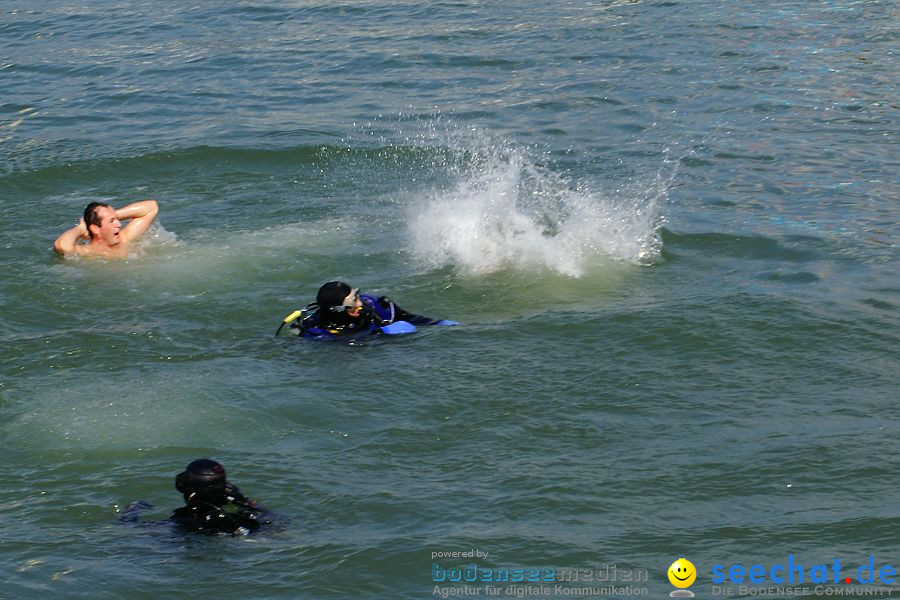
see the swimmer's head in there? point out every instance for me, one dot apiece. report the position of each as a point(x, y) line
point(102, 222)
point(338, 297)
point(332, 294)
point(91, 217)
point(204, 479)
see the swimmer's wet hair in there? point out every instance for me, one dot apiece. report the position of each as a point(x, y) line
point(91, 217)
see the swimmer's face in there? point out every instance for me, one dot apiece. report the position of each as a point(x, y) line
point(682, 573)
point(110, 226)
point(352, 304)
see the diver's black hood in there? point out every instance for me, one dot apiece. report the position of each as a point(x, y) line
point(204, 479)
point(332, 294)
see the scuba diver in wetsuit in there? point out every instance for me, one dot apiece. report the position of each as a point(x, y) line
point(341, 310)
point(206, 495)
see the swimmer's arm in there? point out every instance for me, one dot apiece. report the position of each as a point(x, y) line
point(402, 315)
point(142, 215)
point(67, 242)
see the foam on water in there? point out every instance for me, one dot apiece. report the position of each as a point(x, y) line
point(509, 211)
point(156, 236)
point(215, 260)
point(196, 402)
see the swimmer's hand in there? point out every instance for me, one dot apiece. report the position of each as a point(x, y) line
point(398, 328)
point(67, 242)
point(130, 514)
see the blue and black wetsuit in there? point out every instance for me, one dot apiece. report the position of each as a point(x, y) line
point(320, 322)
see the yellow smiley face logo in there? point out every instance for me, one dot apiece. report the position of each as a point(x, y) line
point(682, 573)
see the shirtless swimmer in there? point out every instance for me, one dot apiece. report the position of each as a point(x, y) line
point(102, 227)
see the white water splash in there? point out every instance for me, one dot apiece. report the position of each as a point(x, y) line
point(156, 237)
point(510, 213)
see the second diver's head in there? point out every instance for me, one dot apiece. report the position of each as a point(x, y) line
point(338, 297)
point(203, 480)
point(102, 223)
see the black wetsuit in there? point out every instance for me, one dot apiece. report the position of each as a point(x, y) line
point(204, 517)
point(211, 517)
